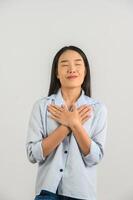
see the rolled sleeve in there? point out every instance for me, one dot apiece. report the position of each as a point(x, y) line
point(98, 138)
point(35, 135)
point(38, 152)
point(94, 156)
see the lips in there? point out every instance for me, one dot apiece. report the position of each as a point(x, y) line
point(72, 77)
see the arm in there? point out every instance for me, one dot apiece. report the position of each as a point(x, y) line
point(82, 138)
point(38, 147)
point(54, 139)
point(97, 144)
point(34, 135)
point(92, 149)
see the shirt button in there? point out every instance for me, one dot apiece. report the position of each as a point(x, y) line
point(61, 170)
point(65, 151)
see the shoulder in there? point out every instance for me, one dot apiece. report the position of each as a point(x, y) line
point(98, 105)
point(42, 101)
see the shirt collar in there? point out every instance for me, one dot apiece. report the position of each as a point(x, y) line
point(80, 101)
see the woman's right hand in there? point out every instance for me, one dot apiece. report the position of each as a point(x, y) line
point(86, 112)
point(70, 118)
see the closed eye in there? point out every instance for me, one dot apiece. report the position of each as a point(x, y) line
point(68, 65)
point(64, 65)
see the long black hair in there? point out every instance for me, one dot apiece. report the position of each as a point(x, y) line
point(55, 83)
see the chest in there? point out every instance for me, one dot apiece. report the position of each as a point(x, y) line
point(50, 125)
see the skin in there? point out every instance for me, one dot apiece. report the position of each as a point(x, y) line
point(71, 72)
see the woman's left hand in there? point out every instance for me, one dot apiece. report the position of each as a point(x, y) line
point(70, 118)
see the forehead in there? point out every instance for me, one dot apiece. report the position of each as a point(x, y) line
point(70, 55)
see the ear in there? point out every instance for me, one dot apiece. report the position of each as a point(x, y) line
point(57, 76)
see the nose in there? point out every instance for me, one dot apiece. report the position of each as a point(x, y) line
point(71, 69)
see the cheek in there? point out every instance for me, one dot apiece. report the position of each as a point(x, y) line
point(83, 73)
point(60, 75)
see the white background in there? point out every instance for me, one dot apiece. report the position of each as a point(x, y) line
point(31, 32)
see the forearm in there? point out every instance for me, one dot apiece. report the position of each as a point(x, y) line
point(54, 139)
point(82, 138)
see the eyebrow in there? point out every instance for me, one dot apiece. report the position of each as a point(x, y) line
point(68, 60)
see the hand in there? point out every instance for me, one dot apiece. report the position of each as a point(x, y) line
point(80, 115)
point(85, 111)
point(70, 118)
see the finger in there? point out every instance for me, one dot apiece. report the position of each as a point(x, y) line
point(55, 118)
point(54, 112)
point(85, 107)
point(55, 107)
point(51, 109)
point(85, 115)
point(81, 107)
point(84, 120)
point(85, 110)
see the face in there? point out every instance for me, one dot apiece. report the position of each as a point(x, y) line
point(71, 69)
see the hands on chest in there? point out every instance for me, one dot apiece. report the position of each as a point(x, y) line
point(70, 118)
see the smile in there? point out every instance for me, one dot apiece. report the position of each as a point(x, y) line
point(72, 77)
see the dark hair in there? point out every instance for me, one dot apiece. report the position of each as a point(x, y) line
point(55, 83)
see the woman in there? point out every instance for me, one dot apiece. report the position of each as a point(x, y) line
point(67, 130)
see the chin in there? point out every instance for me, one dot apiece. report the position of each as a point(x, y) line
point(72, 86)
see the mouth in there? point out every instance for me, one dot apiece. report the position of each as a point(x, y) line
point(72, 77)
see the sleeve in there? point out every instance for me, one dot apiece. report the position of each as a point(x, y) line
point(35, 134)
point(99, 131)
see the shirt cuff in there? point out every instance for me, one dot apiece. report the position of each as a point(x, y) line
point(92, 157)
point(38, 152)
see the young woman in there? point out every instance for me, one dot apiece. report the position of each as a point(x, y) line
point(67, 131)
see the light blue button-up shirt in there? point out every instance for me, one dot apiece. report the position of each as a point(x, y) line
point(66, 168)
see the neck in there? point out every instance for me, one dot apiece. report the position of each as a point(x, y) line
point(70, 96)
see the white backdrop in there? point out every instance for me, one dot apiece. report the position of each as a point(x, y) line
point(31, 32)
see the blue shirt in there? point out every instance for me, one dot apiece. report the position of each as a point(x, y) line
point(66, 168)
